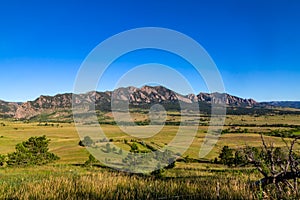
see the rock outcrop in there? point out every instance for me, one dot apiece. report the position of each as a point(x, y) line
point(102, 100)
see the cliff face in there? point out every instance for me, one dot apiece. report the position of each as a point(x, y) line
point(149, 94)
point(227, 99)
point(135, 96)
point(8, 109)
point(42, 104)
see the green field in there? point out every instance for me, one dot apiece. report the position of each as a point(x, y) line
point(64, 137)
point(187, 180)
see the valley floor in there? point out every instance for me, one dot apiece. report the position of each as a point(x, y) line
point(67, 178)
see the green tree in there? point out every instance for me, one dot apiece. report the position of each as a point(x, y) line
point(134, 147)
point(91, 161)
point(171, 164)
point(132, 160)
point(108, 148)
point(158, 172)
point(239, 158)
point(120, 151)
point(226, 156)
point(86, 142)
point(34, 151)
point(3, 160)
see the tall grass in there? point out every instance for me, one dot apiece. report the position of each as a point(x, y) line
point(70, 182)
point(105, 184)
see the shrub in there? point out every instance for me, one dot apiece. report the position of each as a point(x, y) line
point(134, 147)
point(226, 156)
point(91, 161)
point(158, 172)
point(3, 160)
point(86, 142)
point(108, 148)
point(120, 152)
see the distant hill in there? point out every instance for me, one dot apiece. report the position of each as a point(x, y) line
point(284, 104)
point(60, 105)
point(8, 109)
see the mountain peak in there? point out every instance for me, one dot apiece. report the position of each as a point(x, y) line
point(135, 96)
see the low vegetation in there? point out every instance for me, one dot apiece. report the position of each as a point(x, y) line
point(73, 183)
point(34, 151)
point(238, 167)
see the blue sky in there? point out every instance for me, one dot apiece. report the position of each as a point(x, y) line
point(255, 44)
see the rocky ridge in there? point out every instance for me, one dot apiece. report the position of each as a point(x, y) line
point(135, 96)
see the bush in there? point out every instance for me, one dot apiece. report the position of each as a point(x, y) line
point(134, 147)
point(226, 156)
point(91, 161)
point(86, 142)
point(172, 163)
point(120, 151)
point(108, 148)
point(158, 172)
point(3, 160)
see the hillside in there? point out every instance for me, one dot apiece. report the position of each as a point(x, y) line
point(60, 105)
point(284, 104)
point(8, 109)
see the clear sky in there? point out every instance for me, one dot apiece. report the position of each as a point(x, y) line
point(255, 44)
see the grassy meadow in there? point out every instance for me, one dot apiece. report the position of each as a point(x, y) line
point(67, 178)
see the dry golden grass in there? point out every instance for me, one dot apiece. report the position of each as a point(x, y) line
point(64, 137)
point(78, 183)
point(185, 181)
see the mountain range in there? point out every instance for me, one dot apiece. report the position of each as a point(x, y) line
point(136, 97)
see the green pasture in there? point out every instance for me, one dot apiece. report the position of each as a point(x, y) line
point(64, 136)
